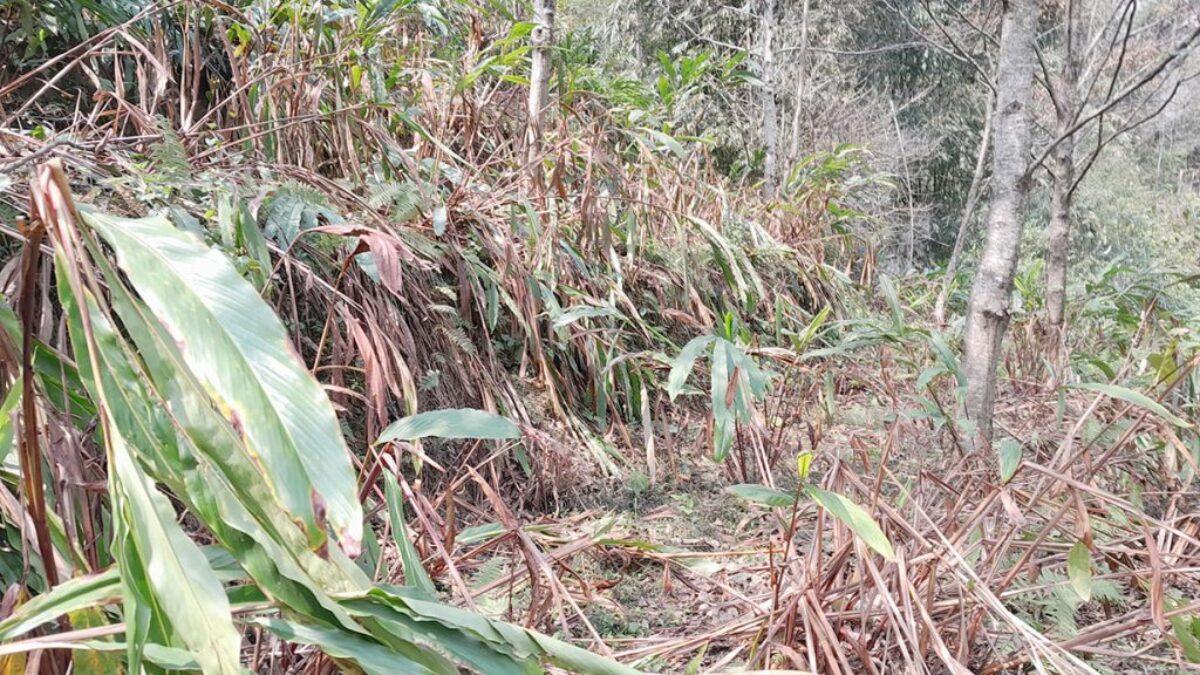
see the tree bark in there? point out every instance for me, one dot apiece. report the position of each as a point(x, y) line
point(770, 114)
point(1060, 225)
point(964, 222)
point(542, 39)
point(801, 84)
point(1064, 175)
point(991, 293)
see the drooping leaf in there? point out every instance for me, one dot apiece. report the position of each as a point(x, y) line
point(238, 348)
point(1136, 398)
point(185, 587)
point(522, 642)
point(855, 517)
point(372, 657)
point(454, 423)
point(761, 494)
point(574, 314)
point(240, 508)
point(1079, 570)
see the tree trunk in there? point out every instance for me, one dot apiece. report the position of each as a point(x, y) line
point(991, 294)
point(542, 39)
point(964, 221)
point(770, 114)
point(801, 84)
point(1060, 224)
point(1064, 176)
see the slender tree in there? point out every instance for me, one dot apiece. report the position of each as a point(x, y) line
point(968, 212)
point(1084, 94)
point(542, 39)
point(1063, 168)
point(988, 311)
point(770, 113)
point(801, 83)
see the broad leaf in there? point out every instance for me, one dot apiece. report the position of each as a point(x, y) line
point(855, 517)
point(456, 423)
point(238, 348)
point(724, 395)
point(1136, 398)
point(70, 596)
point(185, 587)
point(522, 642)
point(761, 494)
point(1079, 570)
point(681, 367)
point(372, 657)
point(1010, 458)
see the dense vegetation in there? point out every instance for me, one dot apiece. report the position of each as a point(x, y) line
point(601, 337)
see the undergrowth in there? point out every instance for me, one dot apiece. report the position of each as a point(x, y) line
point(655, 330)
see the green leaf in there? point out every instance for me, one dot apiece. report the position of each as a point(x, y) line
point(372, 657)
point(803, 464)
point(1010, 458)
point(220, 480)
point(723, 419)
point(681, 367)
point(893, 301)
point(453, 423)
point(414, 572)
point(574, 314)
point(522, 642)
point(1079, 570)
point(169, 658)
point(94, 661)
point(70, 596)
point(761, 494)
point(1184, 632)
point(237, 347)
point(855, 517)
point(810, 331)
point(1136, 398)
point(7, 428)
point(185, 587)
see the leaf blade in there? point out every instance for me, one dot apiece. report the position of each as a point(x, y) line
point(855, 517)
point(450, 423)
